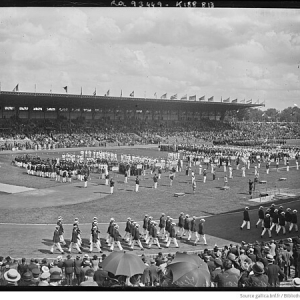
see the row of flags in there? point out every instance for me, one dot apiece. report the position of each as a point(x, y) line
point(164, 96)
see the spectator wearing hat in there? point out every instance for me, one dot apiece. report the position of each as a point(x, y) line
point(75, 241)
point(44, 263)
point(180, 224)
point(172, 237)
point(287, 258)
point(89, 278)
point(22, 267)
point(153, 273)
point(95, 262)
point(154, 237)
point(226, 278)
point(273, 271)
point(100, 275)
point(235, 265)
point(294, 221)
point(267, 225)
point(77, 269)
point(246, 218)
point(258, 279)
point(296, 283)
point(11, 277)
point(54, 267)
point(32, 265)
point(44, 279)
point(261, 216)
point(145, 279)
point(200, 233)
point(281, 223)
point(218, 269)
point(95, 240)
point(69, 269)
point(36, 276)
point(116, 239)
point(162, 225)
point(56, 241)
point(55, 279)
point(272, 248)
point(159, 259)
point(61, 231)
point(136, 237)
point(26, 279)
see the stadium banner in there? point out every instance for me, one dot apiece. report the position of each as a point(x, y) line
point(211, 99)
point(139, 166)
point(183, 97)
point(192, 98)
point(226, 100)
point(234, 101)
point(202, 98)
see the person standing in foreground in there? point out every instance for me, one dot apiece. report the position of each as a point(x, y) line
point(111, 184)
point(246, 219)
point(137, 184)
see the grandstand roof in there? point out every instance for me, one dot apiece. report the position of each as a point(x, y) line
point(20, 99)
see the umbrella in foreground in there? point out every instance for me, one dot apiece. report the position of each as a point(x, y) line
point(123, 263)
point(189, 271)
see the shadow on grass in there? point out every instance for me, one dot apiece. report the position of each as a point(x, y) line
point(44, 251)
point(47, 242)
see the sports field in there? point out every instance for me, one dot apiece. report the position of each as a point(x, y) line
point(24, 215)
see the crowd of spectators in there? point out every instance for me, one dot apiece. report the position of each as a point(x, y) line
point(256, 265)
point(51, 134)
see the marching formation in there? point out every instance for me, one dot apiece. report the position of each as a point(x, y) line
point(150, 233)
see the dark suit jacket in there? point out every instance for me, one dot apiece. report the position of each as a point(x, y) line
point(77, 266)
point(153, 273)
point(69, 266)
point(273, 271)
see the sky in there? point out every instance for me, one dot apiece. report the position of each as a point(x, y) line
point(237, 53)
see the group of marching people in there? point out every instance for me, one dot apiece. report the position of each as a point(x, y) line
point(150, 233)
point(271, 218)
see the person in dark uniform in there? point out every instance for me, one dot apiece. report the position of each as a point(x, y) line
point(267, 226)
point(74, 239)
point(288, 217)
point(162, 225)
point(280, 210)
point(275, 220)
point(200, 232)
point(56, 241)
point(186, 226)
point(145, 225)
point(137, 184)
point(250, 187)
point(125, 176)
point(150, 231)
point(95, 239)
point(271, 211)
point(153, 237)
point(85, 178)
point(132, 232)
point(136, 237)
point(261, 216)
point(69, 269)
point(294, 221)
point(61, 231)
point(193, 229)
point(127, 230)
point(116, 239)
point(168, 226)
point(111, 184)
point(180, 224)
point(155, 179)
point(281, 223)
point(246, 219)
point(108, 237)
point(172, 236)
point(171, 176)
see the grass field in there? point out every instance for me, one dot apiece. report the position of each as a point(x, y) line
point(51, 199)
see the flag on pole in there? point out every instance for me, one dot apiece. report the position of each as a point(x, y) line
point(184, 97)
point(242, 101)
point(202, 98)
point(234, 101)
point(249, 101)
point(35, 87)
point(66, 88)
point(155, 95)
point(192, 98)
point(107, 93)
point(121, 93)
point(164, 96)
point(226, 100)
point(132, 94)
point(16, 89)
point(211, 99)
point(95, 92)
point(81, 92)
point(174, 97)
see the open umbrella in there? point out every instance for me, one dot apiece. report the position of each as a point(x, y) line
point(189, 271)
point(123, 263)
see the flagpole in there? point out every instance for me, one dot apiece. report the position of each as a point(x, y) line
point(35, 88)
